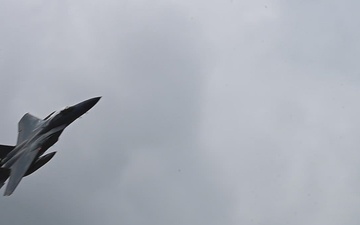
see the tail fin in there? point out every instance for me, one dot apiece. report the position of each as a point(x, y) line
point(4, 150)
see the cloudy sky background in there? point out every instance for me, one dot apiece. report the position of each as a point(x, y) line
point(223, 112)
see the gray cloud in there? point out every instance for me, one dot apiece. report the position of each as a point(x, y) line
point(212, 113)
point(138, 160)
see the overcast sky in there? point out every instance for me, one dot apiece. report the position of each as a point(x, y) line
point(222, 112)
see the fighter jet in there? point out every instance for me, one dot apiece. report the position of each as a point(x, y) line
point(34, 138)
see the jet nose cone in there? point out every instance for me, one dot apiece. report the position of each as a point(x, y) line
point(94, 100)
point(91, 102)
point(87, 104)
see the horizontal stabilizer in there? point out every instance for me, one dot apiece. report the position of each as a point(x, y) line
point(4, 175)
point(4, 150)
point(19, 168)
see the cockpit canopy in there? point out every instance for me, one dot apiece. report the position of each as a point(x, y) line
point(62, 112)
point(48, 116)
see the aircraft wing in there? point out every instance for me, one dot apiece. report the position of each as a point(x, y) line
point(27, 125)
point(19, 168)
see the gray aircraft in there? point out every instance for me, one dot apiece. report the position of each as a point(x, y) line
point(34, 138)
